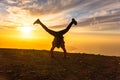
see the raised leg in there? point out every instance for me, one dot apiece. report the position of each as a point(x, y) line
point(51, 52)
point(68, 27)
point(44, 27)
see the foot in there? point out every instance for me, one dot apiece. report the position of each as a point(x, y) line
point(37, 21)
point(74, 21)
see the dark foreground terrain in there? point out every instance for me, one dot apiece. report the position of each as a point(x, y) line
point(19, 64)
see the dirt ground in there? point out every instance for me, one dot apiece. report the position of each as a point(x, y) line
point(20, 64)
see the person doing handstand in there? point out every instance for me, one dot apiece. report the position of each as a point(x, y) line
point(58, 36)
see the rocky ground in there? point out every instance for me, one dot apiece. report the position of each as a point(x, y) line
point(21, 64)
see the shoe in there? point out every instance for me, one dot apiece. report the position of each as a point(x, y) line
point(74, 21)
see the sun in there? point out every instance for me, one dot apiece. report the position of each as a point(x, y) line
point(26, 30)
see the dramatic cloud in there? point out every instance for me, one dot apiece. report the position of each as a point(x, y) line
point(59, 12)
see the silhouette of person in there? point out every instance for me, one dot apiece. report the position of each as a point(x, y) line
point(58, 36)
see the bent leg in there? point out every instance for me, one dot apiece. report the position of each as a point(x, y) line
point(51, 51)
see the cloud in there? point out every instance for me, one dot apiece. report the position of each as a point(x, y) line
point(46, 7)
point(59, 12)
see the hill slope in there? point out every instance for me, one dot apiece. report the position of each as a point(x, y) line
point(20, 64)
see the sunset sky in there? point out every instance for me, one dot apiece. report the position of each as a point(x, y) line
point(97, 32)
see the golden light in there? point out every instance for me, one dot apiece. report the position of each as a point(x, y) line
point(26, 31)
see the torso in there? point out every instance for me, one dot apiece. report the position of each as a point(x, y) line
point(58, 40)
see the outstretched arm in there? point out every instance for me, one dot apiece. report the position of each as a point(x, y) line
point(48, 30)
point(69, 26)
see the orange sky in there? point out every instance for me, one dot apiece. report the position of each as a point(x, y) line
point(100, 43)
point(97, 30)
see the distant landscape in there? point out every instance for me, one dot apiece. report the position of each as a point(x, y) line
point(30, 64)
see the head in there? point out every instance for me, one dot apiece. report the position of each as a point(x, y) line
point(37, 21)
point(74, 21)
